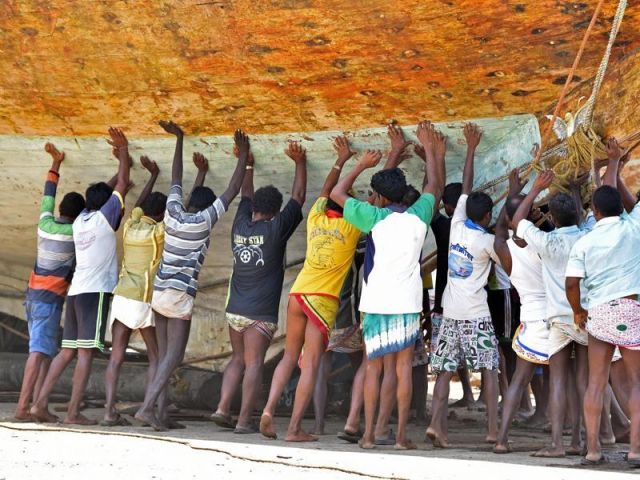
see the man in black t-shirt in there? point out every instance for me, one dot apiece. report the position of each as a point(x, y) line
point(258, 239)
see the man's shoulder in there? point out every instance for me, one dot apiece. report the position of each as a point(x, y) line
point(583, 239)
point(53, 226)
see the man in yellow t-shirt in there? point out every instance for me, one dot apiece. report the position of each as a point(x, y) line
point(314, 301)
point(331, 245)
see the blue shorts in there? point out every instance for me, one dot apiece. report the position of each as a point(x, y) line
point(44, 326)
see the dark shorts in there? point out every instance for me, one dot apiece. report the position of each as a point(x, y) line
point(44, 325)
point(504, 306)
point(85, 321)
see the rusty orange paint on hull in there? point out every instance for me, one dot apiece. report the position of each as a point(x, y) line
point(72, 67)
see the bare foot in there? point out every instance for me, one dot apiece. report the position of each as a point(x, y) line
point(43, 415)
point(549, 452)
point(608, 440)
point(171, 424)
point(491, 439)
point(367, 444)
point(594, 457)
point(110, 416)
point(79, 420)
point(436, 438)
point(536, 421)
point(501, 448)
point(149, 419)
point(266, 426)
point(23, 415)
point(300, 436)
point(462, 403)
point(406, 445)
point(574, 451)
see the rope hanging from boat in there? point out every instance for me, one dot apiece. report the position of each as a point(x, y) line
point(576, 153)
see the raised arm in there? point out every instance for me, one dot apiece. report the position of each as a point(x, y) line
point(57, 157)
point(500, 242)
point(298, 154)
point(472, 135)
point(541, 183)
point(340, 192)
point(629, 200)
point(247, 182)
point(177, 166)
point(516, 184)
point(121, 144)
point(202, 165)
point(614, 154)
point(434, 145)
point(112, 181)
point(575, 188)
point(47, 206)
point(398, 145)
point(235, 183)
point(342, 148)
point(153, 169)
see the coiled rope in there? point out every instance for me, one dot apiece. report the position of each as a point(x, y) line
point(577, 153)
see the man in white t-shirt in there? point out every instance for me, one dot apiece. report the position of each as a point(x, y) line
point(466, 334)
point(95, 277)
point(530, 343)
point(554, 248)
point(392, 286)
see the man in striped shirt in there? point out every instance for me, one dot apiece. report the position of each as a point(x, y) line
point(95, 277)
point(186, 243)
point(49, 282)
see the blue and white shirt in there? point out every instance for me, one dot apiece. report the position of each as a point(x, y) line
point(186, 242)
point(470, 255)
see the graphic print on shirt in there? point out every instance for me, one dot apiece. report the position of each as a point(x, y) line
point(248, 249)
point(460, 262)
point(85, 240)
point(323, 248)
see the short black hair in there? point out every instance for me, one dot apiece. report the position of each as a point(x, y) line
point(390, 183)
point(451, 194)
point(155, 204)
point(201, 198)
point(564, 210)
point(478, 205)
point(97, 195)
point(411, 196)
point(512, 204)
point(331, 205)
point(608, 201)
point(267, 200)
point(71, 205)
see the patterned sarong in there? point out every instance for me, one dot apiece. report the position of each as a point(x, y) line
point(465, 342)
point(241, 324)
point(616, 322)
point(392, 333)
point(436, 322)
point(345, 340)
point(531, 342)
point(321, 310)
